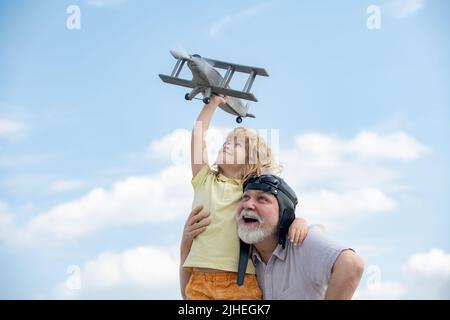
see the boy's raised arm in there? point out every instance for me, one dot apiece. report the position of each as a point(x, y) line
point(199, 155)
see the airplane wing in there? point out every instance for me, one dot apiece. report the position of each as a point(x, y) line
point(219, 90)
point(234, 93)
point(177, 81)
point(237, 67)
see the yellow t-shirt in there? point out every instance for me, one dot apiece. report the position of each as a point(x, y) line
point(218, 246)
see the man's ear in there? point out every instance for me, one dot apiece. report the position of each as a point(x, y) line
point(286, 219)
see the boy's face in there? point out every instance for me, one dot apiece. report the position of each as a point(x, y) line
point(233, 149)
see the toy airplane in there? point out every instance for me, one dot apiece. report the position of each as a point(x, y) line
point(207, 80)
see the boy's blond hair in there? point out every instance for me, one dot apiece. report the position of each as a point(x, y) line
point(259, 158)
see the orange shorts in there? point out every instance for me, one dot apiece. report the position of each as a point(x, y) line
point(222, 286)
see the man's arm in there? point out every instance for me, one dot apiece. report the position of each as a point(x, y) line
point(345, 276)
point(195, 224)
point(199, 156)
point(184, 277)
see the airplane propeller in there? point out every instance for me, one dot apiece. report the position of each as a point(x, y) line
point(179, 54)
point(183, 54)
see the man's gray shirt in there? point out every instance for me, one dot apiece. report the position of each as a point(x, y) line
point(299, 272)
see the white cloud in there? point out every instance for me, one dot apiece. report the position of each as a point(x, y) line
point(11, 129)
point(217, 27)
point(348, 179)
point(429, 264)
point(429, 274)
point(146, 266)
point(335, 208)
point(381, 291)
point(104, 3)
point(327, 148)
point(133, 200)
point(404, 8)
point(397, 146)
point(424, 276)
point(150, 271)
point(320, 159)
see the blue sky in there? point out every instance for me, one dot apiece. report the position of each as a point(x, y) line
point(88, 134)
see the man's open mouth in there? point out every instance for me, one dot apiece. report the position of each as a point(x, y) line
point(250, 220)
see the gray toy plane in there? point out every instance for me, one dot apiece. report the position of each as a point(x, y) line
point(207, 80)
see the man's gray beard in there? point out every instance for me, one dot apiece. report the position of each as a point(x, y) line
point(256, 235)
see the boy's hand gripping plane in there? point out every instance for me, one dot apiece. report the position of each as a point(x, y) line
point(207, 80)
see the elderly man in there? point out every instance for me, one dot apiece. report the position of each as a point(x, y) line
point(319, 269)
